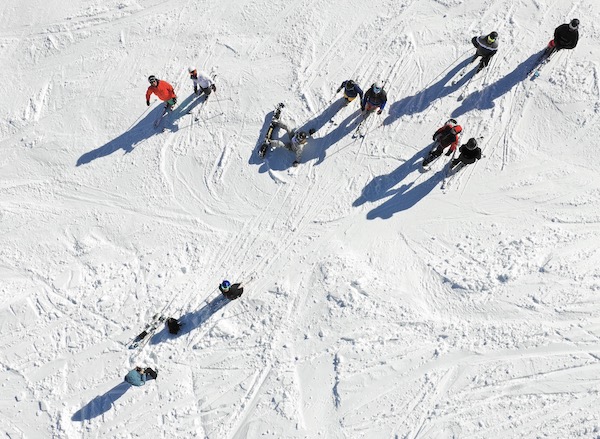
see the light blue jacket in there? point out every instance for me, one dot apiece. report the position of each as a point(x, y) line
point(135, 378)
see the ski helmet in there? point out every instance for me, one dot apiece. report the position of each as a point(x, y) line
point(471, 144)
point(574, 24)
point(451, 121)
point(301, 136)
point(191, 69)
point(376, 87)
point(349, 84)
point(152, 79)
point(492, 37)
point(225, 285)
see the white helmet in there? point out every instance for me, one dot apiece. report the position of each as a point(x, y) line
point(191, 69)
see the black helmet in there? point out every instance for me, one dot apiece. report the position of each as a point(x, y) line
point(574, 24)
point(350, 84)
point(152, 78)
point(493, 36)
point(471, 144)
point(302, 136)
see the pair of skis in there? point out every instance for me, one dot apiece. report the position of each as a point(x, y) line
point(149, 330)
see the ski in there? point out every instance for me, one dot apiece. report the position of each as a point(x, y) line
point(151, 327)
point(539, 65)
point(265, 145)
point(359, 131)
point(463, 72)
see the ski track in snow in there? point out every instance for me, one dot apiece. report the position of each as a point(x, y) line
point(379, 301)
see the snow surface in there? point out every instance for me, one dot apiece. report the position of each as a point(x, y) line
point(377, 304)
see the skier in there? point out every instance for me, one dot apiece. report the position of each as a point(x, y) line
point(351, 90)
point(448, 135)
point(139, 376)
point(487, 46)
point(296, 143)
point(202, 82)
point(230, 291)
point(174, 325)
point(163, 90)
point(375, 97)
point(469, 153)
point(566, 36)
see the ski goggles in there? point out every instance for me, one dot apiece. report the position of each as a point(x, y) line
point(490, 40)
point(377, 89)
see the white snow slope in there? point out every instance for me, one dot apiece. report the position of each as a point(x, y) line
point(380, 302)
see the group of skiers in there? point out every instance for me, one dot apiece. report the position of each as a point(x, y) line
point(566, 36)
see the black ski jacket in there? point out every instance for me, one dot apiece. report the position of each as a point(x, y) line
point(235, 291)
point(377, 100)
point(565, 38)
point(469, 156)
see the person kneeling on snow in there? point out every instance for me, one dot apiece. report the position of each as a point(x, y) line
point(139, 376)
point(469, 153)
point(230, 291)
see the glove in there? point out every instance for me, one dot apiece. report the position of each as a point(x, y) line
point(214, 87)
point(338, 90)
point(379, 112)
point(449, 152)
point(148, 103)
point(195, 90)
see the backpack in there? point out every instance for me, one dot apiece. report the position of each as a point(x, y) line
point(173, 325)
point(447, 136)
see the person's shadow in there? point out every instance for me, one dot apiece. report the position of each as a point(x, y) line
point(402, 198)
point(101, 403)
point(381, 186)
point(192, 320)
point(484, 99)
point(317, 148)
point(422, 100)
point(143, 130)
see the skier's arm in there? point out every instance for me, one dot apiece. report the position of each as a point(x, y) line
point(359, 91)
point(148, 94)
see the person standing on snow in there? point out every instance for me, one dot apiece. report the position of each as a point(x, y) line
point(375, 97)
point(566, 36)
point(469, 153)
point(448, 135)
point(230, 291)
point(487, 46)
point(202, 82)
point(139, 376)
point(351, 90)
point(163, 90)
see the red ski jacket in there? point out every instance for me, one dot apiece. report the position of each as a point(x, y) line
point(162, 89)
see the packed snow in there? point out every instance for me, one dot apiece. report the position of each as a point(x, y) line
point(380, 300)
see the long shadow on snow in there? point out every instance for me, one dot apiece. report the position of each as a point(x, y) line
point(101, 403)
point(422, 100)
point(193, 319)
point(142, 131)
point(317, 148)
point(381, 186)
point(403, 198)
point(484, 99)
